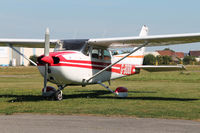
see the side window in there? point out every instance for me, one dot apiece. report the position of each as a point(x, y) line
point(101, 54)
point(106, 54)
point(97, 53)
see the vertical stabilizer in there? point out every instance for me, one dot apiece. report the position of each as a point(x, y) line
point(137, 57)
point(144, 31)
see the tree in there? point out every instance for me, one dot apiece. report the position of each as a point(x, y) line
point(189, 60)
point(163, 60)
point(159, 60)
point(149, 60)
point(166, 60)
point(33, 58)
point(169, 49)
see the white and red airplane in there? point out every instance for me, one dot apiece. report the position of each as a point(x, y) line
point(89, 61)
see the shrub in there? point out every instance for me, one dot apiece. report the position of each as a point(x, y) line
point(149, 60)
point(34, 59)
point(189, 60)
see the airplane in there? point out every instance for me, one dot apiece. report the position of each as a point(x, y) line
point(82, 62)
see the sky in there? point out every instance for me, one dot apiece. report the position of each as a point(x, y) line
point(77, 19)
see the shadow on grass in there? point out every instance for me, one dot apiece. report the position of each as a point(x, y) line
point(154, 98)
point(99, 94)
point(23, 98)
point(128, 91)
point(35, 98)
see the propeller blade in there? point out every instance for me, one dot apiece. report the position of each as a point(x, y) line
point(46, 47)
point(46, 53)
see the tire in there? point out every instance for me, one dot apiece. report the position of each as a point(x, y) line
point(58, 95)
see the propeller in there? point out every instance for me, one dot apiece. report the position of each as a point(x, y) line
point(46, 54)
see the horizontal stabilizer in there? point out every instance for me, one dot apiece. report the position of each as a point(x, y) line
point(151, 68)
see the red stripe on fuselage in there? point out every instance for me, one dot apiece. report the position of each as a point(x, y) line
point(90, 62)
point(89, 65)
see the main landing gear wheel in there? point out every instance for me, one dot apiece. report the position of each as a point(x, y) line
point(50, 91)
point(58, 95)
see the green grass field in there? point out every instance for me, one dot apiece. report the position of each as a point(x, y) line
point(173, 95)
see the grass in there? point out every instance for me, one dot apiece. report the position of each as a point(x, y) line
point(173, 95)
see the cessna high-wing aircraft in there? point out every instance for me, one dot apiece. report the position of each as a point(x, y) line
point(89, 61)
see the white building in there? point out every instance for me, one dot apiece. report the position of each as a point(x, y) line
point(9, 57)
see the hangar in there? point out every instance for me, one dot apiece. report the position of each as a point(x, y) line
point(9, 57)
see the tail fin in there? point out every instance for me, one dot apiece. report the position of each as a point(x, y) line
point(137, 57)
point(144, 32)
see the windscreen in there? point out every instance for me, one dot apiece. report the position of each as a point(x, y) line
point(76, 45)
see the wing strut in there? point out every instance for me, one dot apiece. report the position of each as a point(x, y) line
point(21, 54)
point(106, 68)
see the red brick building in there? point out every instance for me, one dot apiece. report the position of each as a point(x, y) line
point(175, 55)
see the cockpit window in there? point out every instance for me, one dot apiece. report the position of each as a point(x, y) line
point(76, 45)
point(86, 50)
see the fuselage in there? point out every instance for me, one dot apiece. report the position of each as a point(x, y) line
point(72, 67)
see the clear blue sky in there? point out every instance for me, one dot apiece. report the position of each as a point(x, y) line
point(98, 18)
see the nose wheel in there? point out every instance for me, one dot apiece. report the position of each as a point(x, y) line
point(52, 93)
point(58, 95)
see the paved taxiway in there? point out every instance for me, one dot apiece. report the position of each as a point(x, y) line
point(91, 124)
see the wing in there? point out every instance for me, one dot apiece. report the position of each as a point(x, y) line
point(30, 43)
point(157, 40)
point(151, 68)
